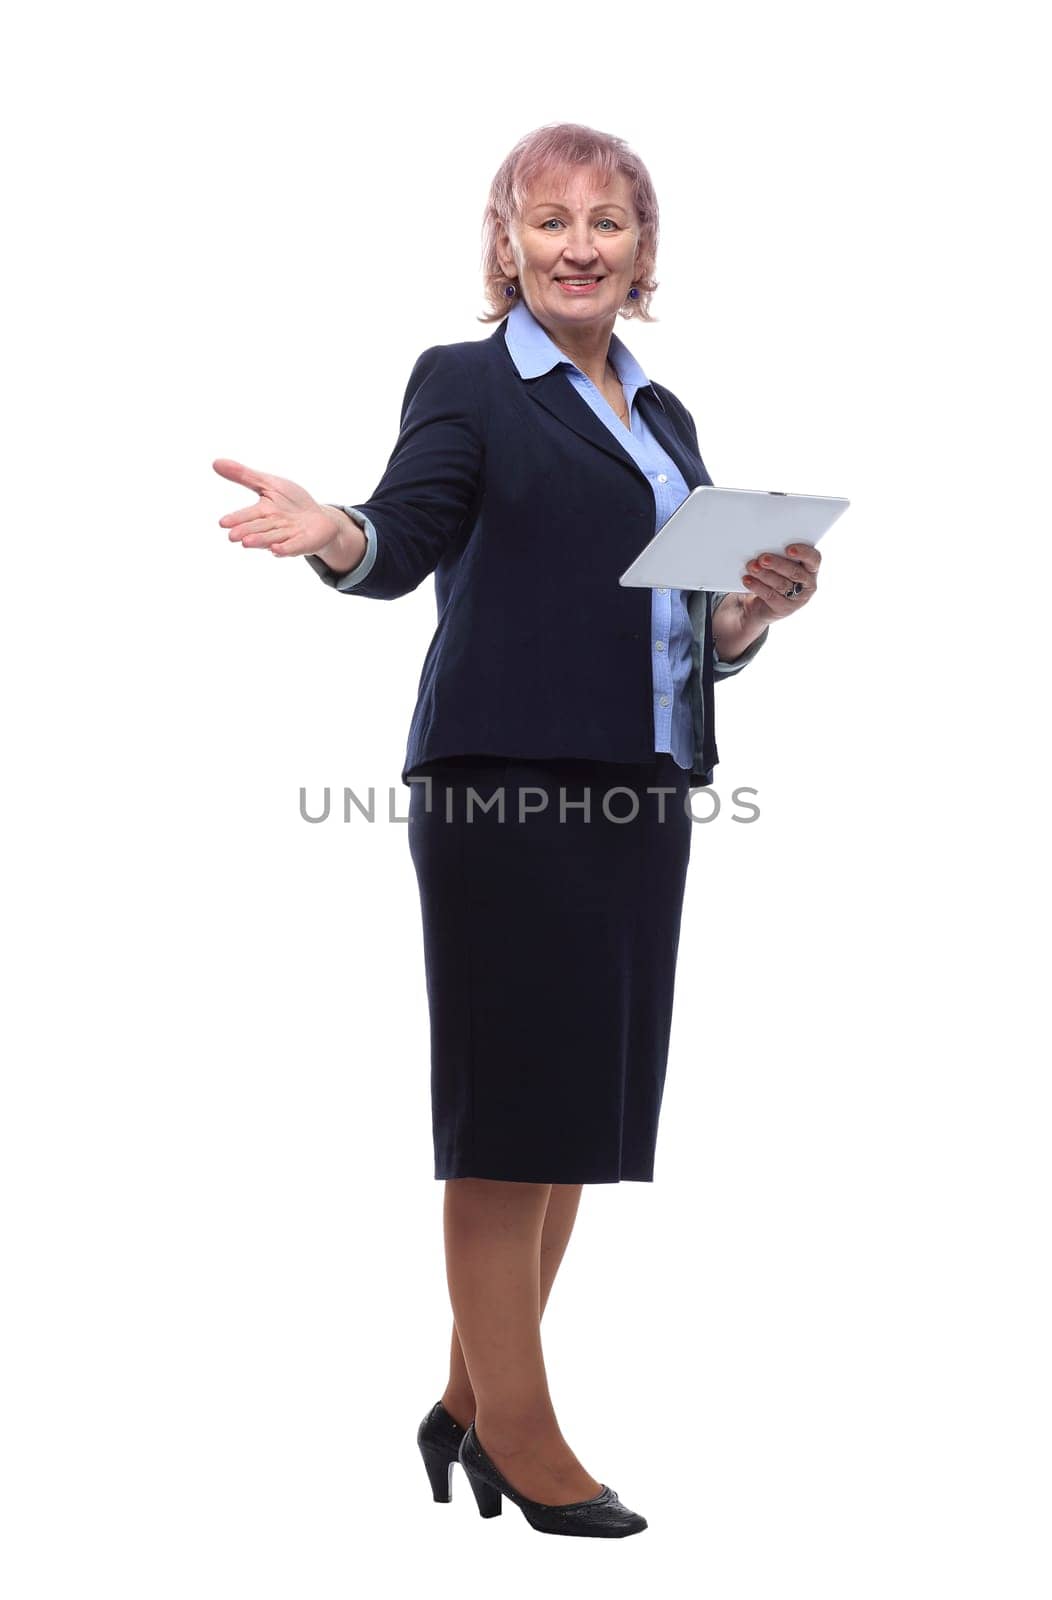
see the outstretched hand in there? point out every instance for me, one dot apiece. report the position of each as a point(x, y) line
point(286, 520)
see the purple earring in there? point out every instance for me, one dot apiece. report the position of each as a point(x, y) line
point(633, 293)
point(510, 290)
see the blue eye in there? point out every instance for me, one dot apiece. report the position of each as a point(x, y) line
point(611, 221)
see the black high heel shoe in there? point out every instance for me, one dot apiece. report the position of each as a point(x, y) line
point(439, 1437)
point(602, 1517)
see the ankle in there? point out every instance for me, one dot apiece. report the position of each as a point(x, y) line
point(519, 1435)
point(460, 1406)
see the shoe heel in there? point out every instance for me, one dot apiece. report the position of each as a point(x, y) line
point(488, 1498)
point(440, 1473)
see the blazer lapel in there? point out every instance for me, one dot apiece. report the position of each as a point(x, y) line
point(700, 602)
point(561, 400)
point(682, 453)
point(552, 391)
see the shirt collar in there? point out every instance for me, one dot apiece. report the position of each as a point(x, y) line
point(534, 352)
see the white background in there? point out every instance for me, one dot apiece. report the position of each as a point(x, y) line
point(814, 1351)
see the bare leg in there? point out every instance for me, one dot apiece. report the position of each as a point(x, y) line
point(493, 1233)
point(563, 1202)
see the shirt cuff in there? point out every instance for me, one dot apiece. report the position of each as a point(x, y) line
point(727, 669)
point(343, 581)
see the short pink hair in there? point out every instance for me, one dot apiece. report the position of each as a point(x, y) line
point(554, 148)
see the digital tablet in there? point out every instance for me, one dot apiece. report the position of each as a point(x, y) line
point(707, 540)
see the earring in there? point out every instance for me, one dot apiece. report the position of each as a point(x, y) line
point(510, 290)
point(633, 293)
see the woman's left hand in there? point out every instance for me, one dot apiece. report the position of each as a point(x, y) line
point(770, 575)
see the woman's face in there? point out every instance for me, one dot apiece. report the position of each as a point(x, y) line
point(571, 227)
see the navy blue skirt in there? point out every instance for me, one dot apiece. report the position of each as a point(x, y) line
point(551, 932)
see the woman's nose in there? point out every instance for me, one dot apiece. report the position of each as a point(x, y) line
point(580, 245)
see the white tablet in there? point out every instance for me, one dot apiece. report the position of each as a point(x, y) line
point(708, 539)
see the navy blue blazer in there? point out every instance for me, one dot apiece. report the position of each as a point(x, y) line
point(526, 509)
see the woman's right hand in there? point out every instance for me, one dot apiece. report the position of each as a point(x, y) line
point(286, 520)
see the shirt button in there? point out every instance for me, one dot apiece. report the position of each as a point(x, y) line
point(664, 700)
point(662, 591)
point(662, 477)
point(660, 645)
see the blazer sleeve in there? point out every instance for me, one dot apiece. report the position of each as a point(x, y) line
point(724, 669)
point(348, 580)
point(429, 486)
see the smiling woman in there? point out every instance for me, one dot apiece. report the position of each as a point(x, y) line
point(533, 191)
point(572, 255)
point(530, 469)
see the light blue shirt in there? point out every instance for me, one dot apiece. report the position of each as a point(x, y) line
point(671, 633)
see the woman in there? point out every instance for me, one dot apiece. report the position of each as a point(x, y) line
point(530, 468)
